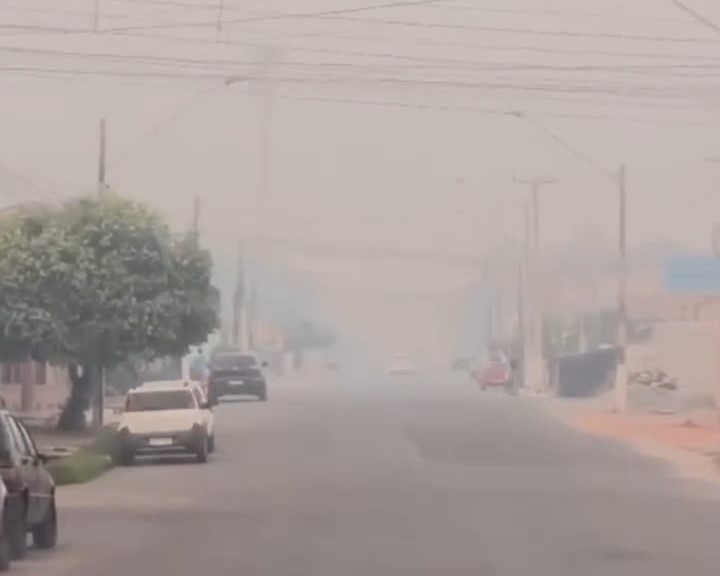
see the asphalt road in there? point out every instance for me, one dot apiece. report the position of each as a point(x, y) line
point(396, 479)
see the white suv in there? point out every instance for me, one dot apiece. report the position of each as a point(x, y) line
point(165, 418)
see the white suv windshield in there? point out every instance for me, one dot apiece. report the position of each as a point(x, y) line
point(161, 400)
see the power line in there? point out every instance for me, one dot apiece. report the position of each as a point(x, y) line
point(285, 16)
point(479, 110)
point(695, 15)
point(549, 12)
point(181, 4)
point(429, 62)
point(643, 101)
point(540, 86)
point(64, 12)
point(569, 147)
point(39, 191)
point(164, 124)
point(422, 42)
point(338, 14)
point(526, 31)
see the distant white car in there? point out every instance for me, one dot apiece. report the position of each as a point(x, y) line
point(401, 364)
point(166, 417)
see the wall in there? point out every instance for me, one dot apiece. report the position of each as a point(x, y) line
point(40, 399)
point(686, 350)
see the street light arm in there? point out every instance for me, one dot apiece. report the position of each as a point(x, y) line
point(230, 80)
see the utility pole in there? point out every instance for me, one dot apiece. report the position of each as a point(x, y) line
point(196, 217)
point(535, 362)
point(489, 310)
point(219, 24)
point(96, 16)
point(524, 293)
point(239, 327)
point(621, 374)
point(266, 89)
point(266, 95)
point(102, 162)
point(251, 316)
point(101, 188)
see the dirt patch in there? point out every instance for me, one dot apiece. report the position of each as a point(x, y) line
point(690, 442)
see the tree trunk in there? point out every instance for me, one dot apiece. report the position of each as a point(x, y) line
point(73, 414)
point(26, 372)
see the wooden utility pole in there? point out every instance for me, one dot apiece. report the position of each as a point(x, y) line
point(621, 375)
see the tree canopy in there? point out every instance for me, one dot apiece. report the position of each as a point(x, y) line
point(98, 281)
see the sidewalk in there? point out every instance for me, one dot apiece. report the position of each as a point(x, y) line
point(689, 440)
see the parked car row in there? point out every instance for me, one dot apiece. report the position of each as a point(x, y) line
point(27, 493)
point(166, 417)
point(176, 417)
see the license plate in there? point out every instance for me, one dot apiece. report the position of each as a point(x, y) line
point(236, 382)
point(161, 441)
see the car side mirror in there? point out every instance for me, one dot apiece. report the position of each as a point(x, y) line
point(47, 457)
point(206, 405)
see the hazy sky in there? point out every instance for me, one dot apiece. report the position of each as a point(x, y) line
point(390, 127)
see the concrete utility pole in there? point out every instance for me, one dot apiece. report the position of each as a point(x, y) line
point(219, 25)
point(621, 374)
point(265, 90)
point(102, 161)
point(101, 188)
point(490, 303)
point(96, 16)
point(524, 292)
point(239, 327)
point(534, 316)
point(196, 217)
point(252, 317)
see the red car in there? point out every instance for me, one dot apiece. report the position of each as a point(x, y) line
point(497, 374)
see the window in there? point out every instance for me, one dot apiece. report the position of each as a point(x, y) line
point(27, 439)
point(11, 373)
point(231, 361)
point(5, 442)
point(23, 373)
point(160, 400)
point(16, 440)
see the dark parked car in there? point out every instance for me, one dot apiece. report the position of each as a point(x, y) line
point(236, 373)
point(30, 501)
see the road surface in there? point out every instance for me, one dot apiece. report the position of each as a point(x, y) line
point(402, 479)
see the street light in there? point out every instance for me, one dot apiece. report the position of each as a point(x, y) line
point(230, 80)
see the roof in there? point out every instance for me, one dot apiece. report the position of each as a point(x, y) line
point(233, 352)
point(164, 385)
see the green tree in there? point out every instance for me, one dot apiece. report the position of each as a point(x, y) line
point(96, 283)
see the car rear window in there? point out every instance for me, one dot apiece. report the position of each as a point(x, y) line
point(233, 361)
point(160, 400)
